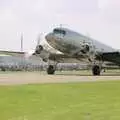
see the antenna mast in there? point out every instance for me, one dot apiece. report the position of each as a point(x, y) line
point(22, 42)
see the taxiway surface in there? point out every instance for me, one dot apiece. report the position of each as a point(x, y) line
point(17, 78)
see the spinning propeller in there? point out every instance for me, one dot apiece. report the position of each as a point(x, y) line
point(37, 50)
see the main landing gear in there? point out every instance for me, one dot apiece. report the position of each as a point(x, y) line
point(96, 70)
point(51, 69)
point(96, 64)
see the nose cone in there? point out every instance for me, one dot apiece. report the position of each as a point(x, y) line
point(49, 37)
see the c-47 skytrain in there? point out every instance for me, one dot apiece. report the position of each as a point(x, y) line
point(73, 47)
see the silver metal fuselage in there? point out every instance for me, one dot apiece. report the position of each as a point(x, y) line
point(72, 42)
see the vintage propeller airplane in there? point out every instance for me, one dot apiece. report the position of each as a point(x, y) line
point(63, 45)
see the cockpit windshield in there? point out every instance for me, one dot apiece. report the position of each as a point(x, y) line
point(59, 31)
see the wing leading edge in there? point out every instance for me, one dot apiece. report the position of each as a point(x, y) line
point(12, 53)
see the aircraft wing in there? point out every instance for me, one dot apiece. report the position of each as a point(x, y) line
point(111, 57)
point(12, 53)
point(66, 58)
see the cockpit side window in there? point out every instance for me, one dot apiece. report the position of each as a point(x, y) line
point(59, 31)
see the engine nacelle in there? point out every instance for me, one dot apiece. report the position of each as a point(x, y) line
point(42, 53)
point(85, 49)
point(38, 49)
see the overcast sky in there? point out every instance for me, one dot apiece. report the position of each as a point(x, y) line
point(99, 19)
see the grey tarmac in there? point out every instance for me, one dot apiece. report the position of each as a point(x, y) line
point(19, 78)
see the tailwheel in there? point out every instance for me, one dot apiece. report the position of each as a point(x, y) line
point(51, 70)
point(96, 70)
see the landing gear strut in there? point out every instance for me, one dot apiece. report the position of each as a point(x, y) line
point(96, 70)
point(51, 70)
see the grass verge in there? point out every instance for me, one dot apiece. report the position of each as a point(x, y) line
point(83, 101)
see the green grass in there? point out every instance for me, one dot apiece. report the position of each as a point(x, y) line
point(83, 101)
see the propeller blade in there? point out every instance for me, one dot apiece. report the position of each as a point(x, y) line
point(29, 54)
point(39, 40)
point(38, 48)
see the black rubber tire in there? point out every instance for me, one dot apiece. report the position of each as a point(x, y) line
point(50, 70)
point(3, 69)
point(96, 70)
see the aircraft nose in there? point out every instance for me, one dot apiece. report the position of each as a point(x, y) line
point(49, 37)
point(52, 38)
